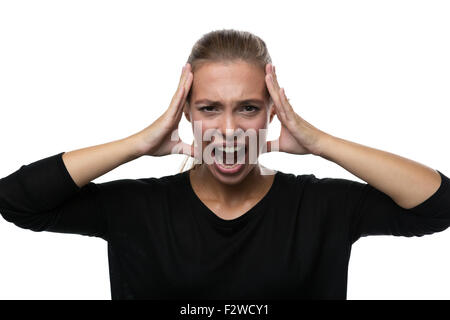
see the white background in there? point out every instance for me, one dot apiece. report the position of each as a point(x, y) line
point(80, 73)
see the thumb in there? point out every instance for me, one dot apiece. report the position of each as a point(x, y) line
point(184, 148)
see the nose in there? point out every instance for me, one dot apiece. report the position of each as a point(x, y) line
point(227, 122)
point(229, 128)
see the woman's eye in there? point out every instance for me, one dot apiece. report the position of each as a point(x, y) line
point(250, 108)
point(247, 109)
point(207, 108)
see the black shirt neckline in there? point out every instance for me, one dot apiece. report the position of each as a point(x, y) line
point(215, 219)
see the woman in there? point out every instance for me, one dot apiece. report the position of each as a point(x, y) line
point(228, 230)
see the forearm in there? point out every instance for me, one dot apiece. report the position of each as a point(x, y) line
point(84, 165)
point(405, 181)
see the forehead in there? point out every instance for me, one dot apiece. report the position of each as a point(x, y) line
point(228, 82)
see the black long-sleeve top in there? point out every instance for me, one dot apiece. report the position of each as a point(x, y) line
point(164, 243)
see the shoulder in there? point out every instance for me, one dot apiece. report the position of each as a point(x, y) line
point(287, 177)
point(310, 182)
point(288, 180)
point(139, 185)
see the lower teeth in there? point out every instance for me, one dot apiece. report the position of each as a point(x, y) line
point(229, 165)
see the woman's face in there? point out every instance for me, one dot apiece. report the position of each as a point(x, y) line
point(230, 103)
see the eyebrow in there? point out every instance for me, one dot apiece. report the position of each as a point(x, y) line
point(218, 103)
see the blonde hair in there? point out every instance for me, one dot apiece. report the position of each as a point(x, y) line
point(226, 45)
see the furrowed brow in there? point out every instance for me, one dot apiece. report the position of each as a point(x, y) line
point(218, 103)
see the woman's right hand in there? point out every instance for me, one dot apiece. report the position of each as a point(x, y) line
point(161, 137)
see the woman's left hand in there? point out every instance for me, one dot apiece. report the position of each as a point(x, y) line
point(297, 136)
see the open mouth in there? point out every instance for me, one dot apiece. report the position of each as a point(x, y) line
point(229, 159)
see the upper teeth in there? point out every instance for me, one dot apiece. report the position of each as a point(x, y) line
point(229, 149)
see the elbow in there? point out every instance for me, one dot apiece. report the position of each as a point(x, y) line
point(34, 222)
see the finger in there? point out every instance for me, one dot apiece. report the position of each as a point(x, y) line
point(285, 101)
point(181, 91)
point(176, 97)
point(186, 88)
point(174, 104)
point(275, 97)
point(275, 79)
point(184, 73)
point(268, 68)
point(269, 71)
point(285, 108)
point(187, 85)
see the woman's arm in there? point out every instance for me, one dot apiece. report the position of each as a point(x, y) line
point(55, 193)
point(407, 182)
point(86, 164)
point(89, 163)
